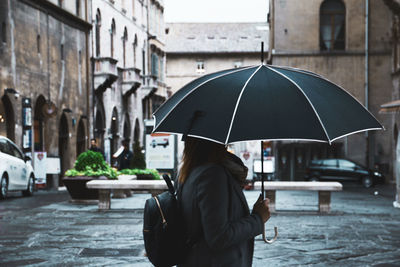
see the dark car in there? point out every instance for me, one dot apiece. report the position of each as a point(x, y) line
point(342, 170)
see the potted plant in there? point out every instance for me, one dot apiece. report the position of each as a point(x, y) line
point(88, 166)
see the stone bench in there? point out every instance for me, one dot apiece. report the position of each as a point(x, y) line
point(155, 187)
point(324, 191)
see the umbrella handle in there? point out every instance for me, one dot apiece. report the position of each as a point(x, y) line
point(270, 241)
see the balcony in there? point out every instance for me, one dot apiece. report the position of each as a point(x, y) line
point(105, 73)
point(130, 80)
point(150, 86)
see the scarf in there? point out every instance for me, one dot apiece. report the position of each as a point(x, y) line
point(236, 167)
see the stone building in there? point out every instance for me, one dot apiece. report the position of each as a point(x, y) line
point(156, 88)
point(391, 108)
point(348, 42)
point(196, 49)
point(45, 77)
point(127, 76)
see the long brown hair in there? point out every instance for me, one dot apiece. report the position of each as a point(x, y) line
point(197, 152)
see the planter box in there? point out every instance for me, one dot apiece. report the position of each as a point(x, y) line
point(76, 187)
point(144, 177)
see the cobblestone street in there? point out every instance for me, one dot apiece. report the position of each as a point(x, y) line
point(363, 229)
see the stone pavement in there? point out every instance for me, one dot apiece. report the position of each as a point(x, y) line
point(363, 229)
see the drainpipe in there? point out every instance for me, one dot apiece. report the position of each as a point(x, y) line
point(87, 78)
point(366, 85)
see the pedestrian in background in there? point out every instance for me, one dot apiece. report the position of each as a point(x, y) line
point(215, 211)
point(125, 157)
point(95, 148)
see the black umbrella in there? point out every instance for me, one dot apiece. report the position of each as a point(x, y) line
point(263, 102)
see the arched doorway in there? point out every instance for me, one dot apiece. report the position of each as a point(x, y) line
point(39, 124)
point(97, 29)
point(114, 132)
point(397, 167)
point(99, 125)
point(136, 133)
point(80, 138)
point(7, 121)
point(63, 143)
point(127, 127)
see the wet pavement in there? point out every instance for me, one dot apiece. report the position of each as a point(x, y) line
point(363, 229)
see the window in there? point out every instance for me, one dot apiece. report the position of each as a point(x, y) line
point(38, 43)
point(124, 40)
point(200, 67)
point(80, 57)
point(154, 64)
point(135, 42)
point(4, 32)
point(62, 52)
point(4, 148)
point(332, 25)
point(78, 7)
point(345, 164)
point(162, 69)
point(112, 33)
point(237, 64)
point(98, 25)
point(15, 151)
point(396, 43)
point(330, 163)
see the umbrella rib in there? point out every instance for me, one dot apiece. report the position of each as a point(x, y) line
point(191, 91)
point(237, 104)
point(316, 113)
point(359, 131)
point(329, 81)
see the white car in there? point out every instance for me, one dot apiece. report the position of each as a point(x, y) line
point(16, 172)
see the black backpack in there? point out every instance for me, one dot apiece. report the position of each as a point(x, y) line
point(163, 228)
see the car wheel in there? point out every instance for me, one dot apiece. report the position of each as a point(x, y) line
point(3, 187)
point(31, 186)
point(367, 181)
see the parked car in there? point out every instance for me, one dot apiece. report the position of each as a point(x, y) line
point(16, 171)
point(342, 170)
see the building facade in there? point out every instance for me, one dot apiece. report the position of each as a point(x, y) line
point(348, 42)
point(45, 78)
point(391, 109)
point(125, 81)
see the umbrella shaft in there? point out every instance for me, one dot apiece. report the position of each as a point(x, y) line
point(262, 170)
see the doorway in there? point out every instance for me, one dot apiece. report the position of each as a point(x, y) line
point(63, 144)
point(7, 121)
point(80, 138)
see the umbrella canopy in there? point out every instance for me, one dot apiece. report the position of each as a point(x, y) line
point(263, 102)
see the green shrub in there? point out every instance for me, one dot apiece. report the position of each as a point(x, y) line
point(153, 172)
point(92, 163)
point(90, 158)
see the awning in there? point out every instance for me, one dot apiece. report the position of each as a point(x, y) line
point(390, 107)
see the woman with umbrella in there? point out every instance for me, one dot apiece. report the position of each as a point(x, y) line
point(215, 211)
point(263, 102)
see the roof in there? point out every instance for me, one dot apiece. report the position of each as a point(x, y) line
point(216, 37)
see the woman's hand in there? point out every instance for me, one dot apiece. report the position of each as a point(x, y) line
point(261, 208)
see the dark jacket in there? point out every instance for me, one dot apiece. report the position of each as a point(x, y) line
point(218, 220)
point(124, 160)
